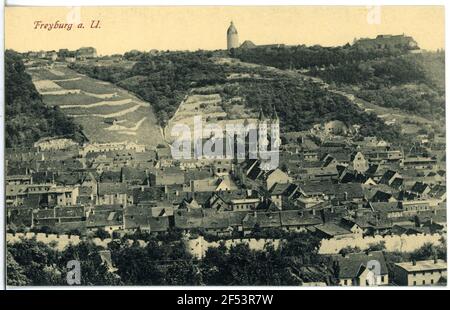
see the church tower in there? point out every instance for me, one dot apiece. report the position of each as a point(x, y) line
point(232, 37)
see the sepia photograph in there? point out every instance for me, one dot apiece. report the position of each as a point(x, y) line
point(203, 146)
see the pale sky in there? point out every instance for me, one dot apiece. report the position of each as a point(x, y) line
point(191, 28)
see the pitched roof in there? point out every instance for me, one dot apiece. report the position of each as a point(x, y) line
point(111, 188)
point(352, 264)
point(188, 219)
point(105, 218)
point(385, 207)
point(298, 218)
point(423, 265)
point(262, 219)
point(332, 229)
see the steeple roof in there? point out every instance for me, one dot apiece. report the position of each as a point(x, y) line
point(274, 114)
point(261, 116)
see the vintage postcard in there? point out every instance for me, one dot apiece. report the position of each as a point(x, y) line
point(225, 145)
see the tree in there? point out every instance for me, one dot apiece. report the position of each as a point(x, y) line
point(15, 272)
point(27, 118)
point(380, 246)
point(102, 234)
point(348, 250)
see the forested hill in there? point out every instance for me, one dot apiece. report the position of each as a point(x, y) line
point(165, 79)
point(389, 77)
point(310, 57)
point(27, 118)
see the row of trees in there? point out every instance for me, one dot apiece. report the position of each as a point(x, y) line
point(308, 57)
point(167, 263)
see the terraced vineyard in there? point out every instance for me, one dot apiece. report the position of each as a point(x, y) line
point(106, 112)
point(210, 107)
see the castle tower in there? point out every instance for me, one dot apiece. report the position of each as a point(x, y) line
point(232, 37)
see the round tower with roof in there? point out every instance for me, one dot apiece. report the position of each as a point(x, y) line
point(232, 37)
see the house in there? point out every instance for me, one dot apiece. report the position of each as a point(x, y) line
point(388, 209)
point(419, 273)
point(166, 177)
point(438, 192)
point(18, 179)
point(389, 176)
point(189, 204)
point(381, 196)
point(217, 223)
point(110, 221)
point(267, 205)
point(251, 170)
point(294, 220)
point(53, 195)
point(15, 194)
point(361, 269)
point(413, 207)
point(86, 53)
point(186, 220)
point(233, 201)
point(142, 219)
point(112, 193)
point(331, 230)
point(213, 184)
point(420, 163)
point(133, 176)
point(358, 162)
point(277, 191)
point(54, 143)
point(276, 176)
point(260, 220)
point(318, 173)
point(421, 189)
point(351, 225)
point(145, 194)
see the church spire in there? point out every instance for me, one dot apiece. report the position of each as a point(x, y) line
point(274, 114)
point(261, 116)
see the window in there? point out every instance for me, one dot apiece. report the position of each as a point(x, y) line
point(382, 278)
point(423, 282)
point(432, 281)
point(414, 283)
